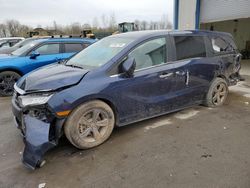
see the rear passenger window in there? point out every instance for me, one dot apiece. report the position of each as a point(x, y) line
point(150, 53)
point(189, 47)
point(73, 47)
point(48, 49)
point(220, 45)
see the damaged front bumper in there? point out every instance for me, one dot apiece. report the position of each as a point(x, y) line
point(39, 135)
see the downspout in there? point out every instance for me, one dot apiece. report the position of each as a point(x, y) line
point(176, 14)
point(197, 14)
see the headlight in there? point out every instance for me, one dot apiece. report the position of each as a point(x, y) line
point(33, 100)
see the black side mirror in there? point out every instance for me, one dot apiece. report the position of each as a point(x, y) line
point(238, 57)
point(128, 67)
point(34, 54)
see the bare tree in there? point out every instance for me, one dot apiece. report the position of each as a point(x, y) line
point(112, 22)
point(144, 25)
point(13, 27)
point(153, 25)
point(104, 21)
point(95, 23)
point(169, 25)
point(76, 28)
point(23, 30)
point(107, 24)
point(164, 23)
point(3, 30)
point(86, 26)
point(55, 25)
point(138, 24)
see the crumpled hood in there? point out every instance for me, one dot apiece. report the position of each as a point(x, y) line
point(51, 77)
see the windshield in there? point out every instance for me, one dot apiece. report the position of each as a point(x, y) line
point(2, 42)
point(25, 48)
point(99, 53)
point(24, 42)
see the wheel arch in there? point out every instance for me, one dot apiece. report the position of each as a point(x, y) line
point(12, 70)
point(100, 98)
point(223, 77)
point(112, 106)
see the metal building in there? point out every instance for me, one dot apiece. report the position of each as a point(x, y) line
point(221, 15)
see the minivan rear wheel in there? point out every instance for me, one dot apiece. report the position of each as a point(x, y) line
point(7, 81)
point(90, 124)
point(217, 93)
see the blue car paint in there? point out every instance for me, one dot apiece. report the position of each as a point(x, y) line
point(142, 96)
point(23, 64)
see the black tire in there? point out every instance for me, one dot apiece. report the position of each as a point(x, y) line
point(7, 81)
point(90, 124)
point(217, 93)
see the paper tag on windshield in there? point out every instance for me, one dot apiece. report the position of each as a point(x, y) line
point(117, 45)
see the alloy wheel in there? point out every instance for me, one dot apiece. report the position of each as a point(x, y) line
point(93, 125)
point(7, 82)
point(219, 94)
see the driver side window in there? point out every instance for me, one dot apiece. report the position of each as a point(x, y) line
point(48, 49)
point(150, 53)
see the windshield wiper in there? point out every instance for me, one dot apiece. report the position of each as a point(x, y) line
point(74, 66)
point(63, 62)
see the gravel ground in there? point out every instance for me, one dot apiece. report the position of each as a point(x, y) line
point(196, 147)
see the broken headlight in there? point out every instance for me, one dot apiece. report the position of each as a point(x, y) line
point(34, 99)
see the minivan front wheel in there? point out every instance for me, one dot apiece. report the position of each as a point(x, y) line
point(7, 81)
point(217, 93)
point(90, 124)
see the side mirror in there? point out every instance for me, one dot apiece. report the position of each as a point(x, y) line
point(128, 67)
point(238, 57)
point(34, 54)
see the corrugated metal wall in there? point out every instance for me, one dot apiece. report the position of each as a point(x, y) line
point(219, 10)
point(187, 14)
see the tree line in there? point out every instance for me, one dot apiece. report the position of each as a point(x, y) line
point(13, 28)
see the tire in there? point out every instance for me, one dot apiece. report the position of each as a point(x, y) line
point(217, 93)
point(90, 124)
point(7, 81)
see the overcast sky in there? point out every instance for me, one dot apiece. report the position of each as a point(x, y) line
point(64, 12)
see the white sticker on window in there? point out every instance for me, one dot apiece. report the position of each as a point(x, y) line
point(117, 45)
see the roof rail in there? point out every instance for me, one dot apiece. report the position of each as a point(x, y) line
point(67, 36)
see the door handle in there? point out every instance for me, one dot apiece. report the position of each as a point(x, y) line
point(180, 73)
point(165, 75)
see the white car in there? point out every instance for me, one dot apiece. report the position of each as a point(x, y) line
point(10, 41)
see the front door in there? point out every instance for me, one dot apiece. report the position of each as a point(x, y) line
point(152, 89)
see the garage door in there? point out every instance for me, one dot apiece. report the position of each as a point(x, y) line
point(219, 10)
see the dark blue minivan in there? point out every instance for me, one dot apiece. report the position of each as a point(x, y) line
point(119, 80)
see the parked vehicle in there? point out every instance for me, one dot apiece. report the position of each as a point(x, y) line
point(119, 80)
point(9, 42)
point(16, 46)
point(127, 27)
point(35, 54)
